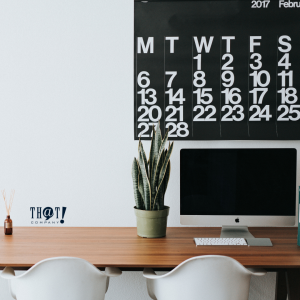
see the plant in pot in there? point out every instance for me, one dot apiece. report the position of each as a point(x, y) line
point(150, 181)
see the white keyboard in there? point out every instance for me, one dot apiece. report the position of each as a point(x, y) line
point(220, 241)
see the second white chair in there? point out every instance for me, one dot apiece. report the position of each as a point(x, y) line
point(60, 278)
point(208, 277)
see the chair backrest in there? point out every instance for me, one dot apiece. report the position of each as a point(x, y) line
point(61, 278)
point(204, 277)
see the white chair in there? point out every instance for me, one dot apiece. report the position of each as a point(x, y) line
point(60, 278)
point(208, 277)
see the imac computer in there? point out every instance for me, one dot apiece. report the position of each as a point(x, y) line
point(237, 188)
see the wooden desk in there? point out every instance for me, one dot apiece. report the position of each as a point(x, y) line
point(121, 247)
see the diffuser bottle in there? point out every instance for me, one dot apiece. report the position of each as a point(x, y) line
point(8, 226)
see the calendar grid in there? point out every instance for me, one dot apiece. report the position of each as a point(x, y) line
point(248, 84)
point(136, 95)
point(241, 66)
point(276, 86)
point(220, 86)
point(164, 83)
point(192, 89)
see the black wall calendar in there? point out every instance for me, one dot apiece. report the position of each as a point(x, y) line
point(217, 70)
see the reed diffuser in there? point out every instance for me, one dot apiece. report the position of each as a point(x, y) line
point(8, 224)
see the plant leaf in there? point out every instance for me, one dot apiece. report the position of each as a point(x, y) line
point(141, 189)
point(165, 185)
point(146, 183)
point(140, 185)
point(151, 154)
point(163, 143)
point(158, 131)
point(163, 170)
point(141, 149)
point(157, 144)
point(159, 200)
point(156, 175)
point(157, 166)
point(167, 175)
point(134, 174)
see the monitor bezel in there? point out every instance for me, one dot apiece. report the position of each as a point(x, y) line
point(240, 220)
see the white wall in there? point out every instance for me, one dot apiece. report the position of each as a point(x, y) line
point(66, 119)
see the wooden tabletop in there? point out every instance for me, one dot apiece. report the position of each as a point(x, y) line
point(121, 247)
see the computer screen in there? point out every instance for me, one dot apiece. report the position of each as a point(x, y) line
point(256, 185)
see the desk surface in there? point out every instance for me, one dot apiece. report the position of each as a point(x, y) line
point(121, 247)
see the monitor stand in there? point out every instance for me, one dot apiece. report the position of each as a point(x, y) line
point(243, 232)
point(235, 232)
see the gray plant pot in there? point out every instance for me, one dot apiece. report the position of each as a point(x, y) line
point(152, 223)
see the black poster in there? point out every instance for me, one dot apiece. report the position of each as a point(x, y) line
point(217, 70)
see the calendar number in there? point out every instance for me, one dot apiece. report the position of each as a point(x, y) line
point(151, 93)
point(202, 110)
point(142, 77)
point(260, 4)
point(259, 113)
point(180, 129)
point(294, 109)
point(239, 111)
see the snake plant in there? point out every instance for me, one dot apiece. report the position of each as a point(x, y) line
point(150, 177)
